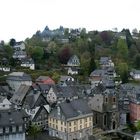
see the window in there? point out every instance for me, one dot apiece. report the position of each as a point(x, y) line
point(80, 121)
point(61, 128)
point(7, 130)
point(56, 127)
point(74, 122)
point(20, 128)
point(69, 123)
point(70, 129)
point(90, 119)
point(74, 128)
point(90, 124)
point(61, 123)
point(80, 126)
point(1, 130)
point(85, 119)
point(114, 100)
point(105, 120)
point(106, 99)
point(13, 129)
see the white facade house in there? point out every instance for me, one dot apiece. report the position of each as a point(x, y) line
point(28, 63)
point(72, 70)
point(5, 68)
point(137, 136)
point(19, 46)
point(16, 79)
point(73, 61)
point(19, 55)
point(135, 74)
point(51, 96)
point(4, 103)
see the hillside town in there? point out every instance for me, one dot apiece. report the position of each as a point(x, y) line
point(87, 95)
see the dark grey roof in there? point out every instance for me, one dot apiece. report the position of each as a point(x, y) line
point(136, 71)
point(64, 92)
point(2, 98)
point(12, 117)
point(74, 68)
point(43, 87)
point(19, 43)
point(98, 72)
point(27, 61)
point(65, 78)
point(20, 95)
point(19, 76)
point(75, 108)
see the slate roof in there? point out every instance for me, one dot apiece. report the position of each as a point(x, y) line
point(65, 78)
point(12, 117)
point(136, 71)
point(74, 108)
point(19, 76)
point(27, 61)
point(2, 98)
point(98, 72)
point(43, 87)
point(20, 95)
point(64, 92)
point(31, 99)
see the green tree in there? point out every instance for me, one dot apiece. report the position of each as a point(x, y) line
point(37, 52)
point(122, 49)
point(137, 61)
point(56, 76)
point(9, 51)
point(138, 125)
point(92, 65)
point(33, 131)
point(123, 72)
point(85, 63)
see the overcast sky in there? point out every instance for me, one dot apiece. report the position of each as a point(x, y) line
point(22, 18)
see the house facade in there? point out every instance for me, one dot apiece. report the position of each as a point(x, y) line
point(19, 46)
point(61, 94)
point(13, 125)
point(73, 61)
point(19, 55)
point(135, 74)
point(28, 63)
point(73, 120)
point(106, 62)
point(4, 103)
